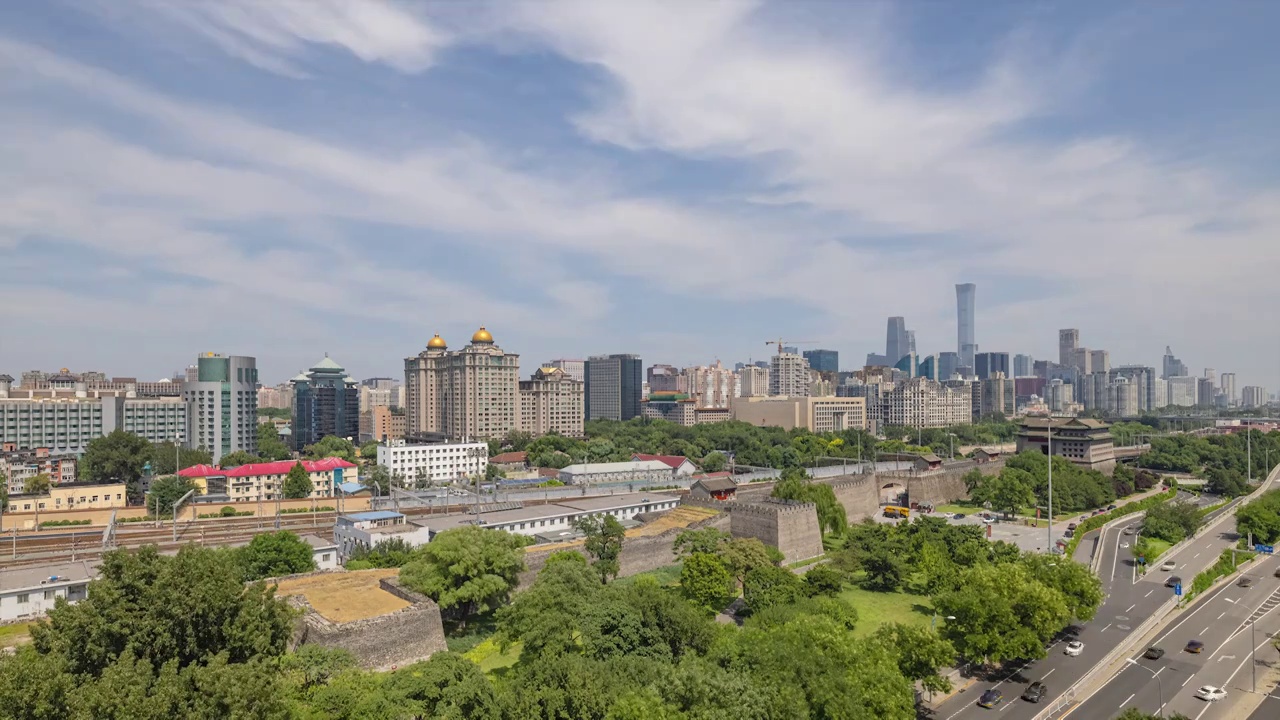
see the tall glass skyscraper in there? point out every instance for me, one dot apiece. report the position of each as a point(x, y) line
point(823, 360)
point(897, 341)
point(966, 302)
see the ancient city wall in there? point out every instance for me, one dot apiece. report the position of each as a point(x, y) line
point(792, 527)
point(379, 643)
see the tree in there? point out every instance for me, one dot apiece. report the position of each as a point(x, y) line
point(1001, 613)
point(117, 457)
point(378, 477)
point(604, 543)
point(701, 540)
point(297, 484)
point(388, 553)
point(167, 491)
point(466, 570)
point(163, 455)
point(795, 485)
point(1260, 518)
point(369, 451)
point(714, 462)
point(1081, 589)
point(275, 554)
point(921, 652)
point(973, 480)
point(37, 484)
point(1136, 714)
point(270, 447)
point(238, 458)
point(823, 580)
point(1008, 492)
point(445, 687)
point(884, 571)
point(493, 472)
point(770, 586)
point(546, 617)
point(331, 446)
point(705, 581)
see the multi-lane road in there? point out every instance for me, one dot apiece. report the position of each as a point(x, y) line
point(1129, 600)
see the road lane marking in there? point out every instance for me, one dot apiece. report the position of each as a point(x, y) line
point(1193, 557)
point(1224, 612)
point(1046, 675)
point(1184, 682)
point(1205, 631)
point(1132, 607)
point(1126, 700)
point(1104, 629)
point(1149, 593)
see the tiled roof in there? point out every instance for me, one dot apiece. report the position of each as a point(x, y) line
point(673, 461)
point(508, 458)
point(719, 484)
point(280, 467)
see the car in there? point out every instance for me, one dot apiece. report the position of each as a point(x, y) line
point(991, 698)
point(1245, 582)
point(1153, 653)
point(988, 519)
point(1074, 648)
point(1072, 526)
point(1111, 507)
point(1128, 530)
point(1168, 565)
point(1035, 692)
point(1277, 572)
point(1195, 646)
point(958, 516)
point(1172, 580)
point(1210, 693)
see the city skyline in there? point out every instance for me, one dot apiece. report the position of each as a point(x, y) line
point(350, 179)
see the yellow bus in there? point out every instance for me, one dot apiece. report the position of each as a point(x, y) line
point(894, 511)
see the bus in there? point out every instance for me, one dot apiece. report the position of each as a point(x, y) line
point(894, 511)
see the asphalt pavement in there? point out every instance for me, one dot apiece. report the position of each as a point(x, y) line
point(1129, 600)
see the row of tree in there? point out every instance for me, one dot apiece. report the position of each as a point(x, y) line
point(1227, 461)
point(1024, 482)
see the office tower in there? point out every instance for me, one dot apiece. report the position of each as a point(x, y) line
point(551, 401)
point(1205, 392)
point(662, 378)
point(897, 342)
point(986, 365)
point(788, 375)
point(1100, 361)
point(575, 368)
point(877, 360)
point(1023, 366)
point(613, 387)
point(911, 341)
point(997, 396)
point(1081, 359)
point(468, 394)
point(966, 302)
point(928, 367)
point(1068, 341)
point(326, 401)
point(753, 381)
point(222, 405)
point(1228, 387)
point(823, 360)
point(947, 364)
point(908, 365)
point(1160, 393)
point(1183, 391)
point(1144, 378)
point(1253, 396)
point(1172, 367)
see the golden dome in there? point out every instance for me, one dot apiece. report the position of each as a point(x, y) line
point(482, 336)
point(436, 343)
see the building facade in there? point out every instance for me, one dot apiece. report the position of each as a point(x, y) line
point(613, 387)
point(326, 401)
point(552, 401)
point(382, 424)
point(1228, 388)
point(1023, 366)
point(433, 463)
point(1253, 396)
point(815, 414)
point(1087, 443)
point(1100, 361)
point(1068, 342)
point(222, 405)
point(788, 375)
point(1172, 366)
point(987, 364)
point(966, 321)
point(18, 466)
point(1184, 391)
point(642, 471)
point(1144, 378)
point(823, 360)
point(919, 402)
point(663, 378)
point(66, 425)
point(31, 592)
point(753, 381)
point(897, 341)
point(576, 369)
point(712, 386)
point(470, 394)
point(265, 481)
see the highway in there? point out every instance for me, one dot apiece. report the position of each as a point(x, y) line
point(1220, 621)
point(1129, 600)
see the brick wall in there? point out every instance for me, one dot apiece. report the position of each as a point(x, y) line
point(792, 528)
point(379, 643)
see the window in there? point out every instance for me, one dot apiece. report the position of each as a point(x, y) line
point(23, 598)
point(49, 594)
point(325, 557)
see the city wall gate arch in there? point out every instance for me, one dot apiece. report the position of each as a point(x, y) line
point(892, 493)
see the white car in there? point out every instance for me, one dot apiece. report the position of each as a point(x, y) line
point(1074, 648)
point(1211, 693)
point(1168, 565)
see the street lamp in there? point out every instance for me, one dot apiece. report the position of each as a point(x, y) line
point(951, 443)
point(1253, 645)
point(1049, 441)
point(1155, 674)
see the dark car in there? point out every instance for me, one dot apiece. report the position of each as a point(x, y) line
point(1277, 572)
point(1035, 692)
point(958, 516)
point(1111, 507)
point(1173, 580)
point(1245, 582)
point(990, 698)
point(1153, 653)
point(1195, 646)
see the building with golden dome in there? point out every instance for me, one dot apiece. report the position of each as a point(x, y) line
point(472, 393)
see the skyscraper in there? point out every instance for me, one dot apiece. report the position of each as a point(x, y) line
point(986, 365)
point(1172, 367)
point(222, 405)
point(613, 387)
point(325, 402)
point(788, 375)
point(897, 341)
point(1228, 387)
point(662, 378)
point(947, 364)
point(467, 394)
point(1023, 366)
point(823, 360)
point(966, 301)
point(1068, 341)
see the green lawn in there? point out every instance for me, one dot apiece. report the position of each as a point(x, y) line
point(14, 634)
point(1155, 548)
point(667, 576)
point(490, 657)
point(877, 608)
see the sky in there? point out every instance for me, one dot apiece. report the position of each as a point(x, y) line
point(681, 180)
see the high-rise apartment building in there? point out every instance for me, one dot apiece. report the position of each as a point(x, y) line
point(576, 369)
point(1184, 391)
point(1082, 360)
point(788, 375)
point(1099, 361)
point(922, 403)
point(663, 378)
point(1172, 366)
point(1160, 393)
point(551, 401)
point(823, 360)
point(1205, 392)
point(998, 396)
point(713, 386)
point(1143, 377)
point(1023, 366)
point(1068, 341)
point(280, 396)
point(326, 401)
point(613, 387)
point(897, 342)
point(753, 381)
point(966, 319)
point(222, 405)
point(468, 394)
point(987, 364)
point(1123, 398)
point(1092, 392)
point(1253, 396)
point(1059, 395)
point(1228, 387)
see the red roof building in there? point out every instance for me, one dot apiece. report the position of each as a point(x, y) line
point(510, 459)
point(265, 481)
point(679, 464)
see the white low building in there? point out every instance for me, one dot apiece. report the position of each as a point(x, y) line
point(27, 593)
point(557, 521)
point(366, 529)
point(433, 462)
point(639, 471)
point(323, 552)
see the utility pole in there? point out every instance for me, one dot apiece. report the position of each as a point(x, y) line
point(1049, 547)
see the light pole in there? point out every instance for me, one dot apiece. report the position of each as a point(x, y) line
point(1049, 440)
point(1253, 643)
point(951, 444)
point(1155, 674)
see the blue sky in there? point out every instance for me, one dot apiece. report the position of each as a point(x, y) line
point(681, 180)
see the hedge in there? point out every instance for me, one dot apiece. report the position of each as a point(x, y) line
point(1098, 521)
point(61, 523)
point(1222, 568)
point(322, 508)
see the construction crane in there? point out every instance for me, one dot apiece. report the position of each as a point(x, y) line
point(780, 343)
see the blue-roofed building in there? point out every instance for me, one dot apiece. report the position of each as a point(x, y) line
point(366, 529)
